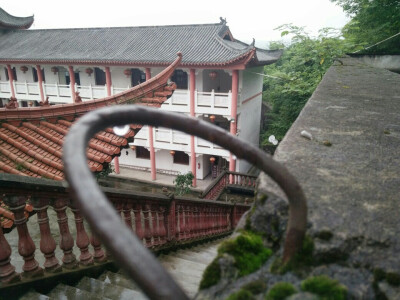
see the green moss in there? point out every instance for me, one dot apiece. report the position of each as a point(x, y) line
point(241, 295)
point(255, 287)
point(211, 275)
point(386, 131)
point(393, 278)
point(248, 251)
point(301, 259)
point(325, 287)
point(280, 291)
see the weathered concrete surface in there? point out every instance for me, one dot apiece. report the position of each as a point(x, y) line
point(352, 186)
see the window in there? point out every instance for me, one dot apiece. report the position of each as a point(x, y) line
point(181, 79)
point(181, 157)
point(14, 74)
point(142, 152)
point(77, 78)
point(137, 77)
point(99, 76)
point(35, 75)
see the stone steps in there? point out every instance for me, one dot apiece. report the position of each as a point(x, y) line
point(186, 266)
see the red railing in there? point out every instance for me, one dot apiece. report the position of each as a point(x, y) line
point(159, 221)
point(228, 178)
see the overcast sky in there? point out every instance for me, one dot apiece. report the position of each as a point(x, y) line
point(246, 19)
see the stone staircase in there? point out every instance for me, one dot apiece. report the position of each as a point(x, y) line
point(185, 265)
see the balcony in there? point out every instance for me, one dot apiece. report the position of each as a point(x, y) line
point(205, 102)
point(58, 93)
point(169, 139)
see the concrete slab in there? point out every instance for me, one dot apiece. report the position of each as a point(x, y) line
point(353, 185)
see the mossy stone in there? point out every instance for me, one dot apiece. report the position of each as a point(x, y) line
point(255, 287)
point(211, 275)
point(248, 251)
point(325, 287)
point(280, 291)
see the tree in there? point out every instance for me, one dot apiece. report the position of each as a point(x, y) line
point(183, 183)
point(293, 79)
point(372, 21)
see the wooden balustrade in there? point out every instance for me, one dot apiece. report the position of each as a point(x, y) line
point(158, 220)
point(215, 189)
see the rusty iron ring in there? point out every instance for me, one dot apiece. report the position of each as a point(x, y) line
point(124, 246)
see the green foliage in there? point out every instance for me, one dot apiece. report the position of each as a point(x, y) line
point(280, 291)
point(20, 167)
point(325, 287)
point(183, 182)
point(372, 21)
point(248, 251)
point(296, 75)
point(105, 172)
point(211, 275)
point(241, 295)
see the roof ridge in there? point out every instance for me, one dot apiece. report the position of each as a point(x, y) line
point(129, 27)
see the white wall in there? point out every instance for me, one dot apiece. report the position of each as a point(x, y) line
point(250, 111)
point(118, 77)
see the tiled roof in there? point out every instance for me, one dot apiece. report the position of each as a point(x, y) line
point(203, 45)
point(8, 21)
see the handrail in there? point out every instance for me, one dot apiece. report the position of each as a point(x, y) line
point(143, 267)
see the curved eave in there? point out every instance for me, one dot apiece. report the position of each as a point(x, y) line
point(237, 62)
point(19, 23)
point(255, 62)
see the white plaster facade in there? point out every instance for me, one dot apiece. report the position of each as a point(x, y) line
point(212, 98)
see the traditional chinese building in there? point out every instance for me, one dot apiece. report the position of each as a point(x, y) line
point(218, 80)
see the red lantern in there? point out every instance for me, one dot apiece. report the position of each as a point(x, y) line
point(54, 70)
point(172, 152)
point(212, 118)
point(23, 69)
point(213, 75)
point(212, 159)
point(127, 72)
point(89, 71)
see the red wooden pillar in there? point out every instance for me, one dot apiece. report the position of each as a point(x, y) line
point(72, 82)
point(26, 246)
point(47, 243)
point(11, 79)
point(192, 113)
point(108, 81)
point(151, 141)
point(108, 85)
point(40, 82)
point(233, 129)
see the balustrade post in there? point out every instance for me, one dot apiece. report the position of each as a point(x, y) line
point(98, 255)
point(127, 208)
point(47, 242)
point(66, 239)
point(147, 225)
point(161, 225)
point(153, 214)
point(7, 270)
point(181, 218)
point(233, 216)
point(82, 239)
point(138, 221)
point(171, 222)
point(26, 246)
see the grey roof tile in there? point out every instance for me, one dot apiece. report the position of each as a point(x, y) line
point(200, 44)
